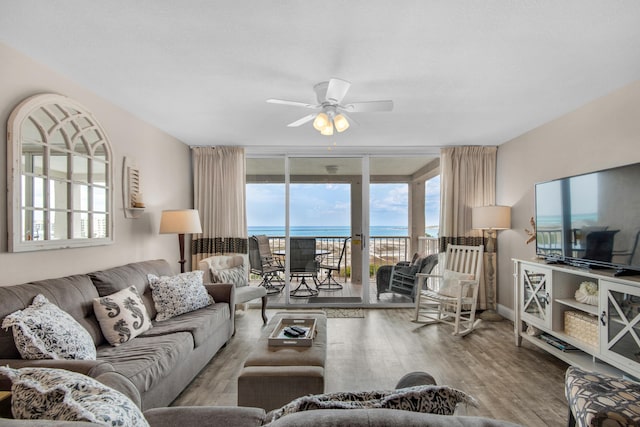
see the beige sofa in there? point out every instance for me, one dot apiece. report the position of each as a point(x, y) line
point(161, 362)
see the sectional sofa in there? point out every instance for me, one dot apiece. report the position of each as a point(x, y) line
point(161, 362)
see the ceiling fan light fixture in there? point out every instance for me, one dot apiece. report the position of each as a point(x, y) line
point(328, 111)
point(327, 130)
point(321, 121)
point(341, 123)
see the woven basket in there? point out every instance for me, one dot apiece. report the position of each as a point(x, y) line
point(582, 327)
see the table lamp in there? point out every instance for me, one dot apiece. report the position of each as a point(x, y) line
point(180, 222)
point(490, 219)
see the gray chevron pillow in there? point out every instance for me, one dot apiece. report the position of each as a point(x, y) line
point(234, 275)
point(122, 316)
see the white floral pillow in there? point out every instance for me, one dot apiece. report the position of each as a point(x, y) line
point(175, 295)
point(451, 283)
point(235, 275)
point(44, 331)
point(122, 315)
point(57, 394)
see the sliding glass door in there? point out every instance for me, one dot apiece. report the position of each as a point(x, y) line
point(332, 223)
point(325, 214)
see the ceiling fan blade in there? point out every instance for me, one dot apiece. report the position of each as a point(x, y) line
point(302, 121)
point(369, 106)
point(292, 103)
point(337, 89)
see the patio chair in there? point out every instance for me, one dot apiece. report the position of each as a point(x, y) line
point(303, 264)
point(452, 298)
point(329, 283)
point(401, 278)
point(265, 265)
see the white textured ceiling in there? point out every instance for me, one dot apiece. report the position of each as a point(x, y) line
point(459, 72)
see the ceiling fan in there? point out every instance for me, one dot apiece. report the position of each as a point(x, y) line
point(332, 113)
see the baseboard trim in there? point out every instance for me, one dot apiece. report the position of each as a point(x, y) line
point(506, 312)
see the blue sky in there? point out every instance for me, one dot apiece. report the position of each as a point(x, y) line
point(329, 204)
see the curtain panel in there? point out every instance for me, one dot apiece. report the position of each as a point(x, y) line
point(468, 180)
point(219, 177)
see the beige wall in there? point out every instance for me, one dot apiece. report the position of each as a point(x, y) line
point(164, 164)
point(599, 135)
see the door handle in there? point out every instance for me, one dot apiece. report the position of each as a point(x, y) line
point(603, 318)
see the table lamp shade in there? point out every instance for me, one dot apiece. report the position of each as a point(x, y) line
point(186, 221)
point(491, 217)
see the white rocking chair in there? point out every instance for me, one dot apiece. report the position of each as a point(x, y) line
point(451, 297)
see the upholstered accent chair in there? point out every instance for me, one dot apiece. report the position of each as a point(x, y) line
point(597, 399)
point(234, 269)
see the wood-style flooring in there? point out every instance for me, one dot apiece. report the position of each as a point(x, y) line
point(524, 384)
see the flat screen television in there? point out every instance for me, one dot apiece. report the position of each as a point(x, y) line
point(591, 220)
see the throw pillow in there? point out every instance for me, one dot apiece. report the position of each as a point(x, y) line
point(122, 315)
point(174, 295)
point(44, 331)
point(57, 394)
point(432, 399)
point(450, 285)
point(235, 275)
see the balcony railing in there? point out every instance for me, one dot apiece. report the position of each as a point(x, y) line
point(383, 250)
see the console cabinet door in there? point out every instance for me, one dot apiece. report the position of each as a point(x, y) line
point(620, 324)
point(535, 295)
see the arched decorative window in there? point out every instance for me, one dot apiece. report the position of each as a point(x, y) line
point(60, 176)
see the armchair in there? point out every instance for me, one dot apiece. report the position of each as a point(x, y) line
point(234, 268)
point(401, 277)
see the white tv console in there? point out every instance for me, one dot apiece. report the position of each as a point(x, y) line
point(544, 292)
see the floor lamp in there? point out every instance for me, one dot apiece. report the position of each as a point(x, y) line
point(491, 219)
point(180, 222)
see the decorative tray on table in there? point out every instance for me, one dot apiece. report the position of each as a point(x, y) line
point(293, 332)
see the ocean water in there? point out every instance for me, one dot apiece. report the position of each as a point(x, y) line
point(330, 231)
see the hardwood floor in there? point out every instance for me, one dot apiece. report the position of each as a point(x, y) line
point(523, 385)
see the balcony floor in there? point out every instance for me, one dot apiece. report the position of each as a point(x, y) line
point(349, 290)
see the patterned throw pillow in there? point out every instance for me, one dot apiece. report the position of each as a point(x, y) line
point(122, 315)
point(57, 394)
point(178, 294)
point(431, 399)
point(451, 282)
point(44, 331)
point(235, 275)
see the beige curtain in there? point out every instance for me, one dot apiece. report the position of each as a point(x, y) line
point(468, 180)
point(219, 177)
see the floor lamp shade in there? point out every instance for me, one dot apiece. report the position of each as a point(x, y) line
point(180, 222)
point(186, 221)
point(491, 217)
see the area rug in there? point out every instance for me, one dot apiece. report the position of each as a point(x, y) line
point(344, 312)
